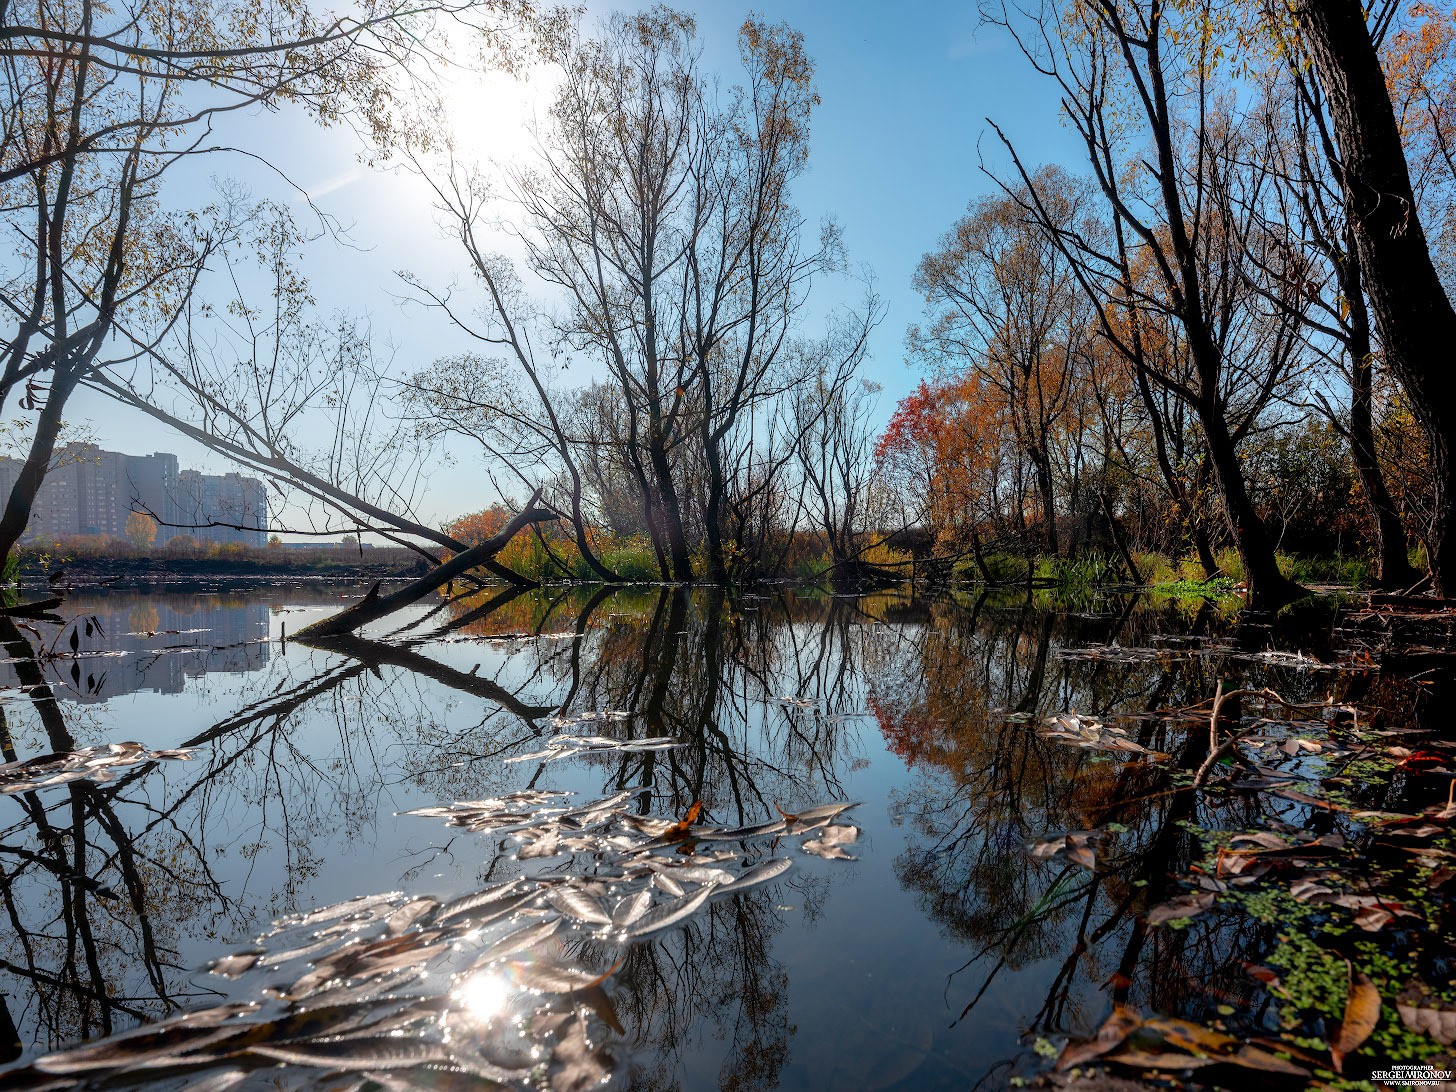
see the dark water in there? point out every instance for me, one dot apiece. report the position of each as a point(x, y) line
point(936, 958)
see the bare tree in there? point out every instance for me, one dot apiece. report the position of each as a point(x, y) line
point(1137, 82)
point(659, 213)
point(1005, 304)
point(101, 102)
point(1310, 215)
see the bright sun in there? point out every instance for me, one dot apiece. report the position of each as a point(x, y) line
point(490, 115)
point(483, 995)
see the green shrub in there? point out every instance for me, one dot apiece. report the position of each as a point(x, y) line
point(1326, 570)
point(1230, 564)
point(1155, 568)
point(1004, 568)
point(809, 568)
point(1085, 571)
point(630, 558)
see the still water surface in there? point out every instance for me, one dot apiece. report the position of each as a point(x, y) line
point(934, 958)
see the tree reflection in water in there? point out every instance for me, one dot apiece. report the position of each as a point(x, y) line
point(117, 890)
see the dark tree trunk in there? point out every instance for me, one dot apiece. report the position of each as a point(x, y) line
point(37, 464)
point(375, 606)
point(1394, 568)
point(677, 544)
point(1046, 490)
point(1412, 312)
point(1119, 539)
point(1204, 549)
point(713, 511)
point(1268, 588)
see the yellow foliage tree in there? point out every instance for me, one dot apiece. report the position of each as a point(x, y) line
point(141, 530)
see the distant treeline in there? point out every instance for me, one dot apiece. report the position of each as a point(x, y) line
point(109, 555)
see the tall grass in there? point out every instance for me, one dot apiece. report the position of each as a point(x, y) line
point(632, 559)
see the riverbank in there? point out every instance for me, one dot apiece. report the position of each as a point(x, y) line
point(131, 572)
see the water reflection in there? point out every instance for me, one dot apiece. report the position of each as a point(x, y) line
point(933, 960)
point(156, 641)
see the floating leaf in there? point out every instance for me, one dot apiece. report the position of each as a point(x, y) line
point(823, 811)
point(630, 909)
point(576, 1066)
point(831, 842)
point(1076, 846)
point(230, 966)
point(1362, 1013)
point(548, 977)
point(577, 904)
point(164, 1041)
point(1184, 906)
point(414, 912)
point(1428, 1015)
point(485, 905)
point(379, 1052)
point(1143, 1059)
point(519, 941)
point(775, 827)
point(671, 913)
point(760, 873)
point(1117, 1027)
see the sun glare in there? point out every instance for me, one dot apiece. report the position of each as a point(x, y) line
point(483, 995)
point(490, 115)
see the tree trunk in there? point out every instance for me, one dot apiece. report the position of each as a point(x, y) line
point(1268, 588)
point(1046, 490)
point(1413, 315)
point(682, 565)
point(1203, 547)
point(713, 512)
point(1119, 540)
point(21, 501)
point(1394, 569)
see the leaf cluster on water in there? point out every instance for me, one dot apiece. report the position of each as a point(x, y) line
point(501, 987)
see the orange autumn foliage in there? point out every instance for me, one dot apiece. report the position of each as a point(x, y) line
point(475, 528)
point(942, 451)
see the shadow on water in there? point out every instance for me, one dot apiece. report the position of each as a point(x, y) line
point(562, 836)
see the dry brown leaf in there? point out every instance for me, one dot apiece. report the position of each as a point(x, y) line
point(230, 966)
point(1117, 1027)
point(760, 873)
point(1143, 1059)
point(578, 904)
point(556, 977)
point(1190, 1036)
point(670, 914)
point(518, 941)
point(1252, 1057)
point(1184, 906)
point(381, 1052)
point(1362, 1013)
point(576, 1066)
point(1428, 1015)
point(416, 911)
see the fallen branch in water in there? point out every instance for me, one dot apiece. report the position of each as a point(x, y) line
point(1217, 751)
point(375, 606)
point(36, 609)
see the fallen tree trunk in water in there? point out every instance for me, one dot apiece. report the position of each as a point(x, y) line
point(375, 606)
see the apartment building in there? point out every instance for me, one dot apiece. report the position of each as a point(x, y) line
point(92, 492)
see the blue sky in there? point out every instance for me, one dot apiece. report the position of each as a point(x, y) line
point(897, 147)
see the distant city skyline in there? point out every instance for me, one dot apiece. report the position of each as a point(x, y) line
point(93, 491)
